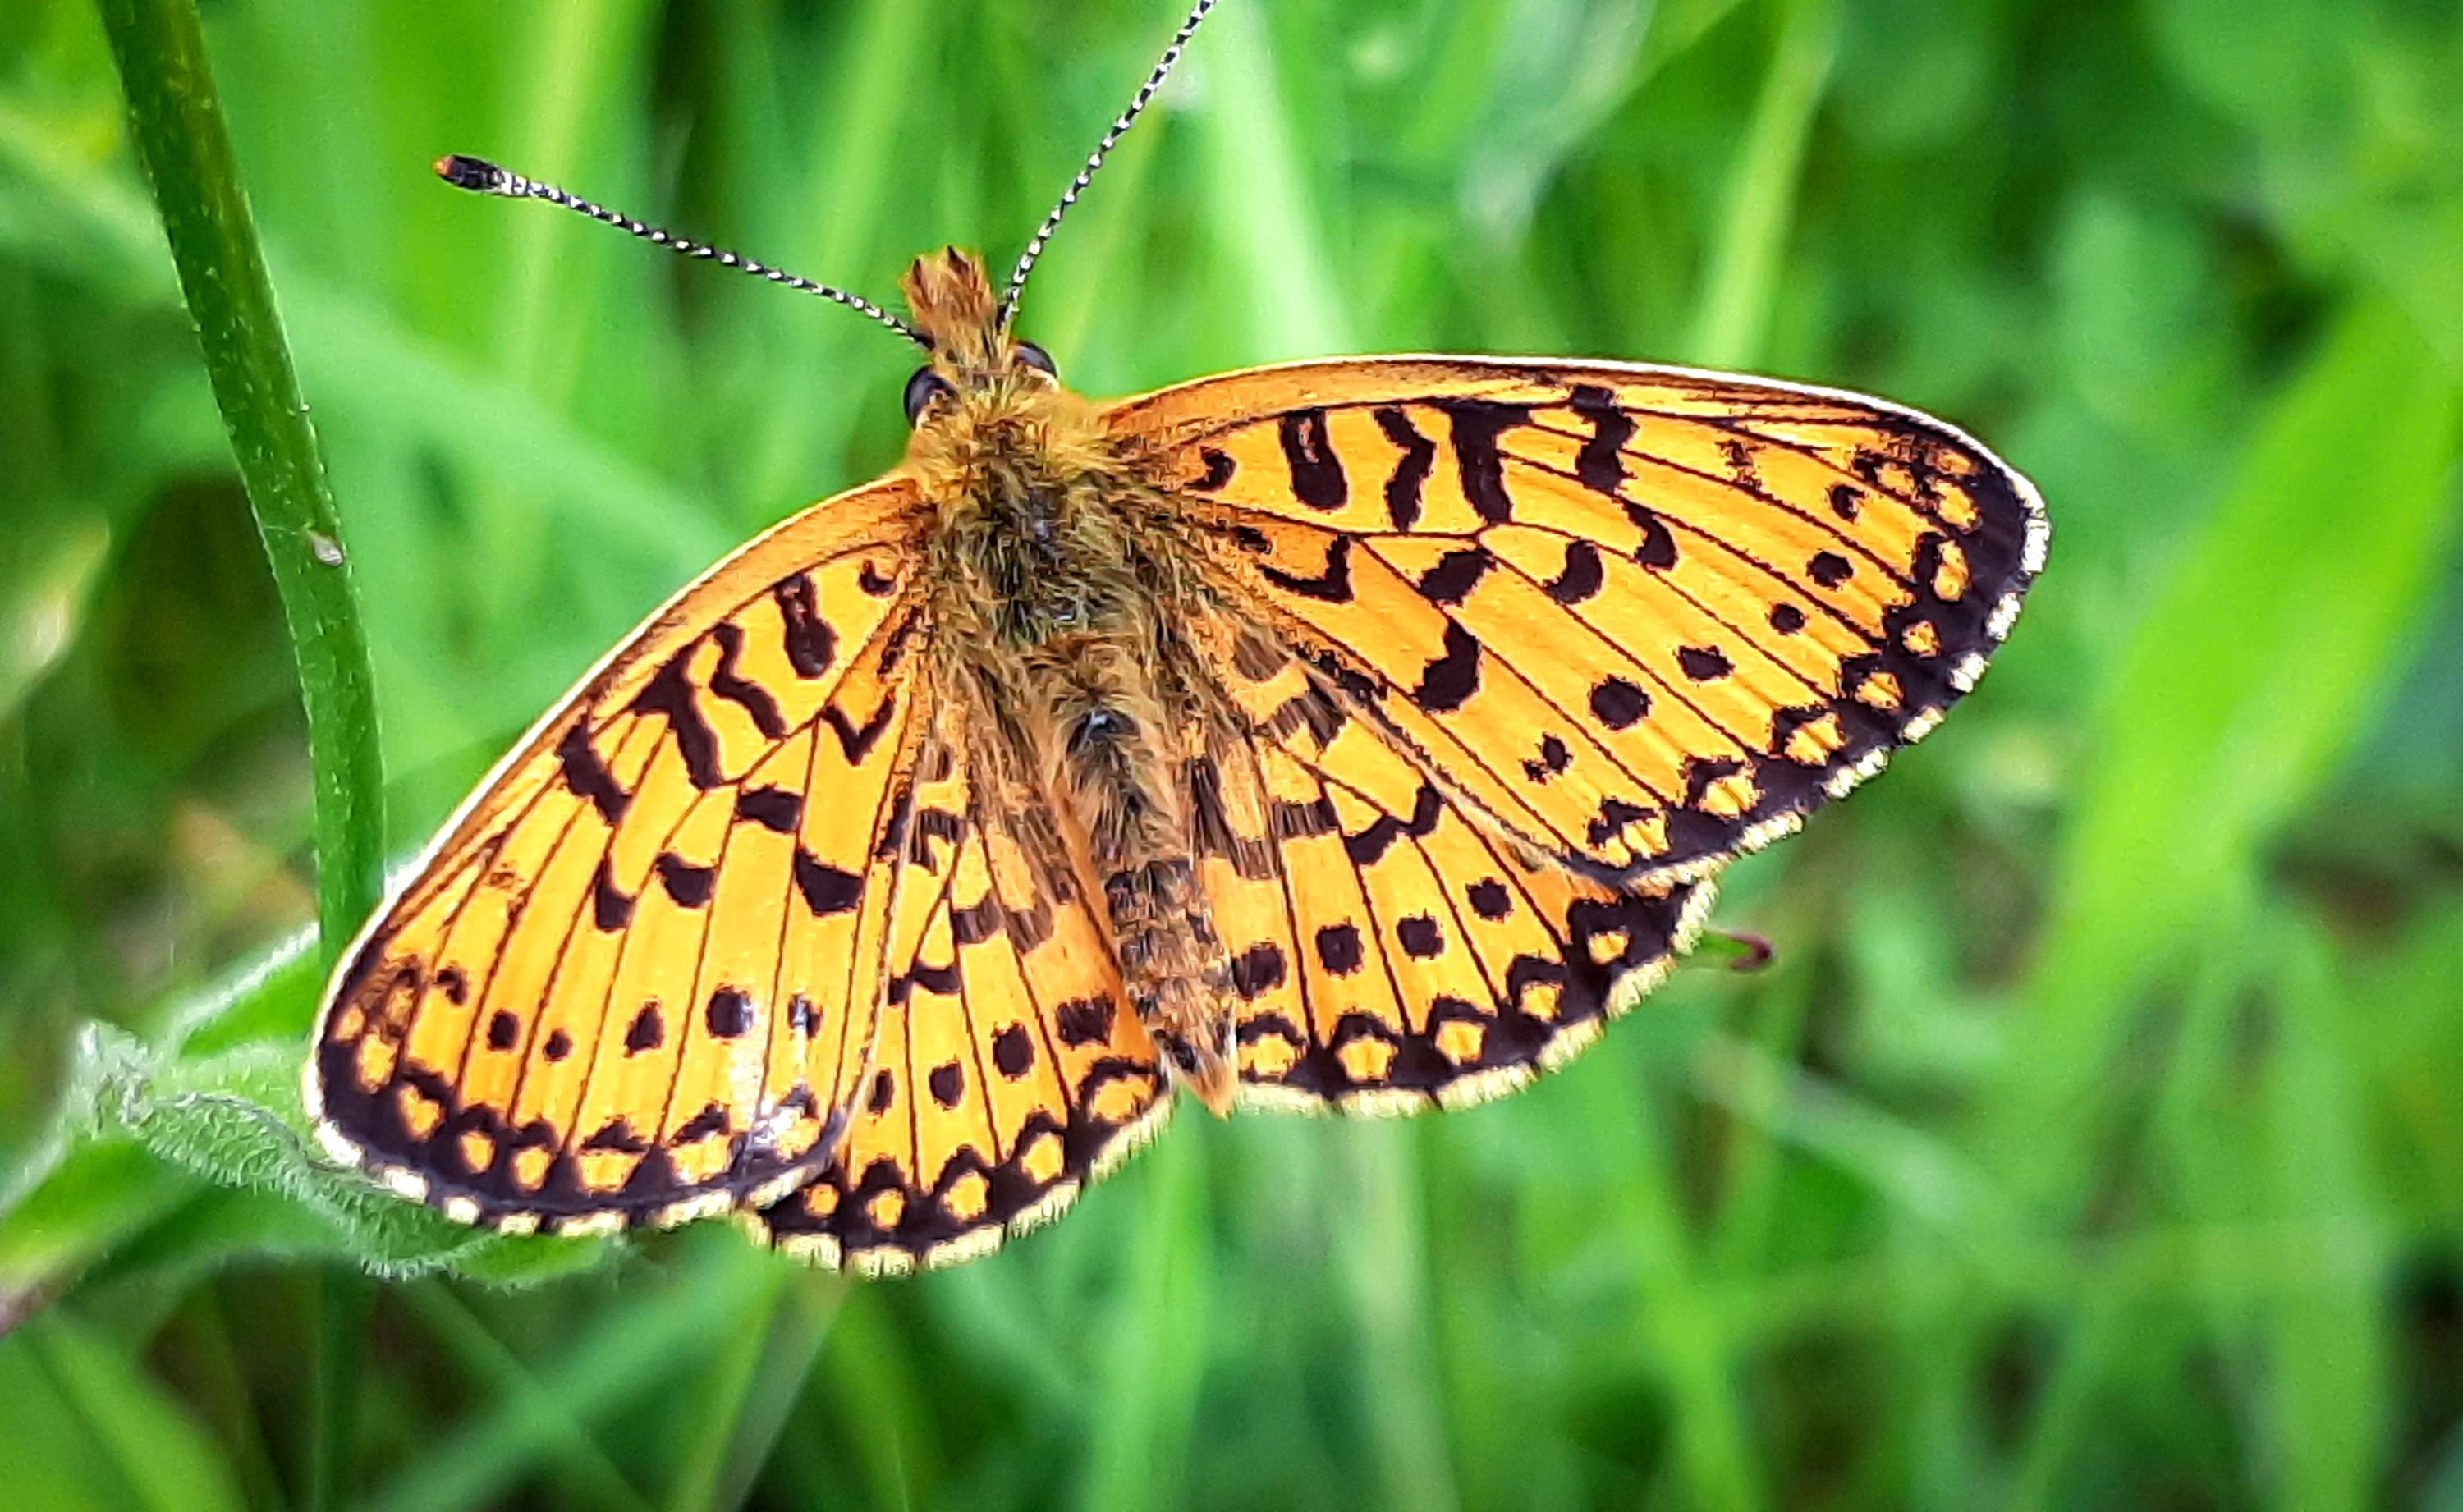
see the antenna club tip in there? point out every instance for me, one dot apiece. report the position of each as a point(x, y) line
point(476, 174)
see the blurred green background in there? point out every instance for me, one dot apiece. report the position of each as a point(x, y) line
point(2096, 1139)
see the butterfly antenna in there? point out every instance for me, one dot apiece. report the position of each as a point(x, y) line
point(1138, 103)
point(482, 177)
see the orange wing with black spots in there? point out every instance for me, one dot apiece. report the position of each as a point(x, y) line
point(1009, 1070)
point(1642, 619)
point(635, 979)
point(1391, 948)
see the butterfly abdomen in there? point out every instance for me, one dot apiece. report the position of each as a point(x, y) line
point(1055, 575)
point(1102, 736)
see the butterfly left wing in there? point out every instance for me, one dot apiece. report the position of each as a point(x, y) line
point(635, 980)
point(1009, 1070)
point(1642, 619)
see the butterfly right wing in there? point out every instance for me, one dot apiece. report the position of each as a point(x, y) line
point(636, 981)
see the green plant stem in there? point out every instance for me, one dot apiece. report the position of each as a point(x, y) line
point(178, 128)
point(342, 1302)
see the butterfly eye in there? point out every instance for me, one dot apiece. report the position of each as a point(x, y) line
point(922, 390)
point(1028, 355)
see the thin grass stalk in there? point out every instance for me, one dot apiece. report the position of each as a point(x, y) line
point(175, 123)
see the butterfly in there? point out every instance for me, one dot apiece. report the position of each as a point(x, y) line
point(1356, 735)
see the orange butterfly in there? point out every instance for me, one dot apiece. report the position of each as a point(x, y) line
point(1357, 734)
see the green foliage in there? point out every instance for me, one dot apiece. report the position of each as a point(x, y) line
point(2095, 1138)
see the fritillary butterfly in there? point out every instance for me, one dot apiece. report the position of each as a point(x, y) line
point(1355, 734)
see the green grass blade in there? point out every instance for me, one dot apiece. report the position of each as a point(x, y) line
point(1745, 258)
point(129, 1433)
point(176, 123)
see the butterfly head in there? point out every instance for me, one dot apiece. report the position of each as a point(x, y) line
point(973, 352)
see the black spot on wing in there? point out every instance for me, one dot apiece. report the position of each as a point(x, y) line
point(977, 921)
point(1619, 705)
point(617, 1135)
point(1219, 467)
point(750, 696)
point(586, 776)
point(1256, 655)
point(1476, 425)
point(1614, 816)
point(856, 741)
point(1411, 473)
point(810, 643)
point(610, 909)
point(1704, 663)
point(1333, 586)
point(1599, 466)
point(687, 884)
point(1449, 682)
point(1370, 845)
point(1658, 549)
point(729, 1013)
point(1310, 710)
point(711, 1120)
point(1317, 473)
point(1554, 756)
point(776, 810)
point(1456, 573)
point(1338, 948)
point(669, 695)
point(1084, 1021)
point(825, 889)
point(1420, 936)
point(1014, 1051)
point(941, 981)
point(1260, 968)
point(1583, 577)
point(927, 827)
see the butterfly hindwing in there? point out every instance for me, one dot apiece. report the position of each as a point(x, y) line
point(1008, 1070)
point(1391, 949)
point(1643, 618)
point(636, 979)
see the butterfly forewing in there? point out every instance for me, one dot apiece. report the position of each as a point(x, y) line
point(1642, 619)
point(637, 978)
